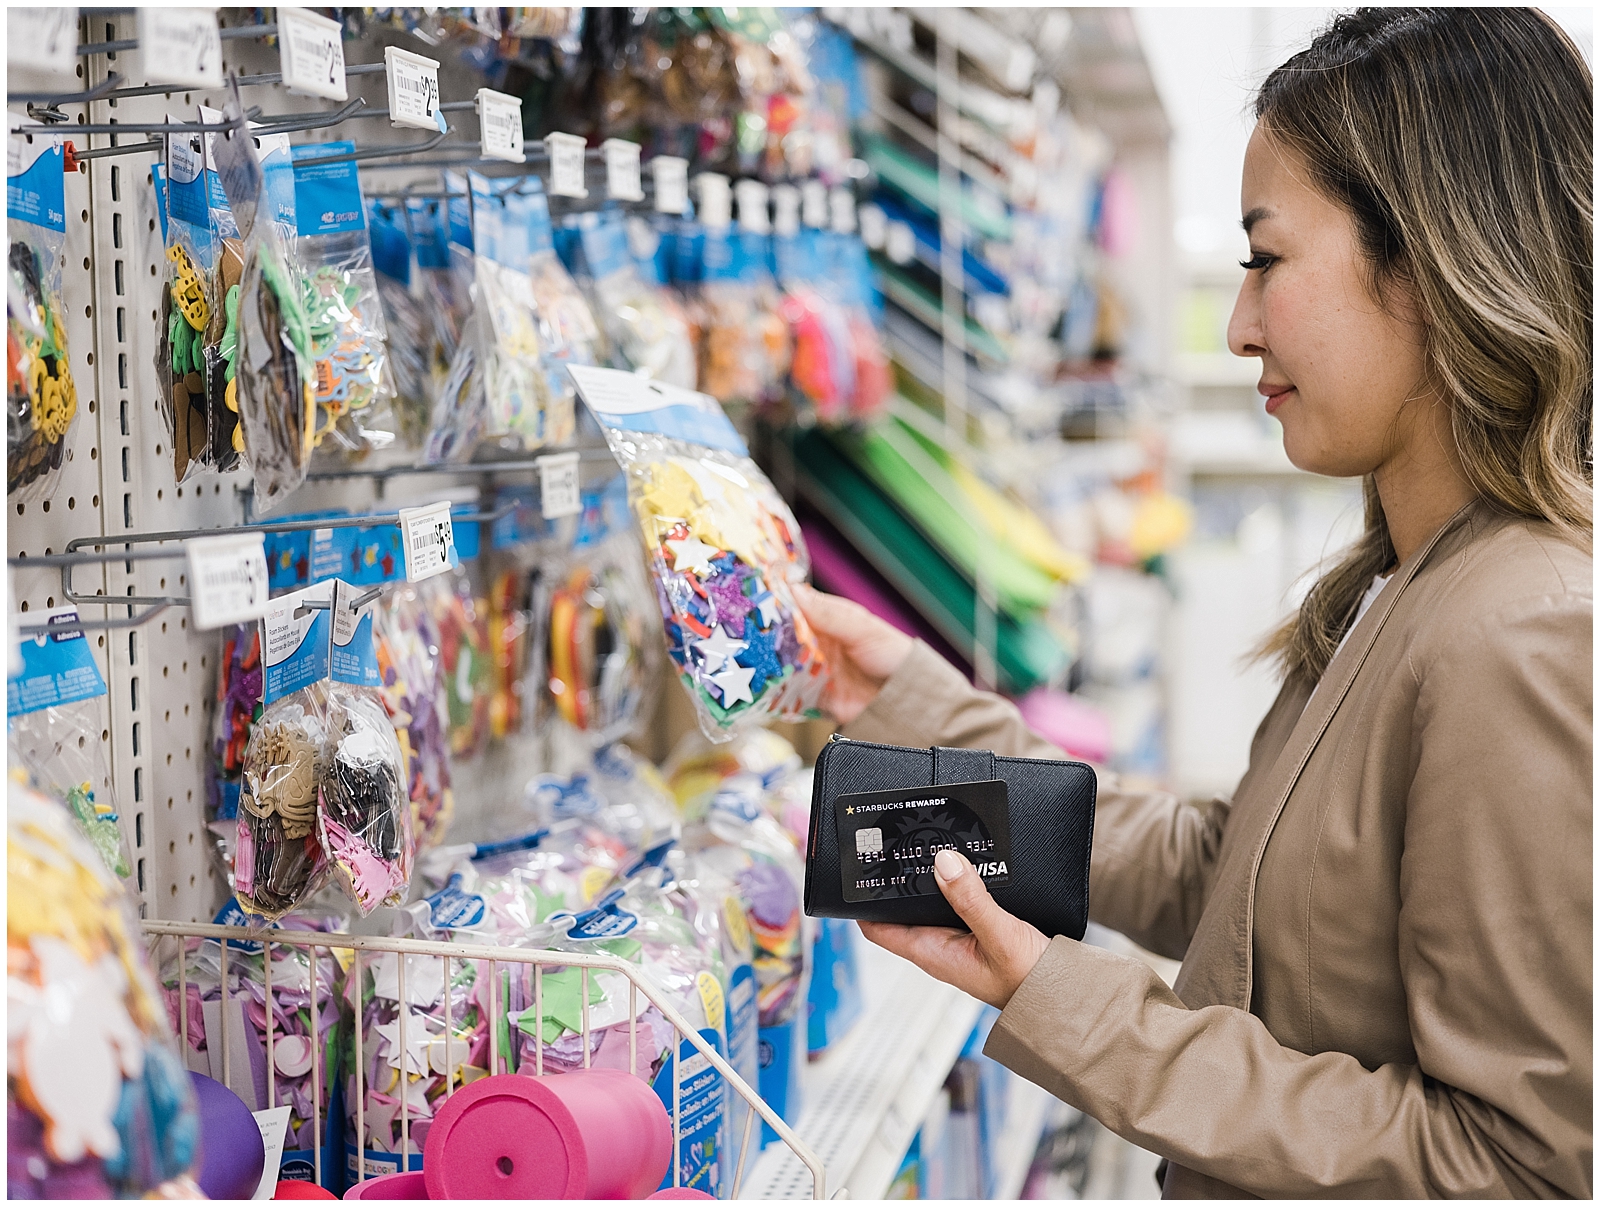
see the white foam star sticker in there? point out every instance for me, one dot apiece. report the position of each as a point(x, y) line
point(418, 1038)
point(691, 554)
point(734, 684)
point(769, 611)
point(718, 649)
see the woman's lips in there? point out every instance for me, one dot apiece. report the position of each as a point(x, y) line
point(1275, 395)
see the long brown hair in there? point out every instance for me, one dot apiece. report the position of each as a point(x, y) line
point(1460, 141)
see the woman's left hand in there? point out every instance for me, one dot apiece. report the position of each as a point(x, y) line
point(991, 960)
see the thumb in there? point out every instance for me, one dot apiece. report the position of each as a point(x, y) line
point(964, 889)
point(832, 616)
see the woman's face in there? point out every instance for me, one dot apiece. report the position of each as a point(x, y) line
point(1338, 369)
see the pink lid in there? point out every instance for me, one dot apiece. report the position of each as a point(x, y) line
point(401, 1185)
point(505, 1137)
point(679, 1193)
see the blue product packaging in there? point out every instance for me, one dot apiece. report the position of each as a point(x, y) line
point(35, 182)
point(834, 1001)
point(327, 196)
point(294, 642)
point(353, 658)
point(782, 1053)
point(701, 1103)
point(55, 669)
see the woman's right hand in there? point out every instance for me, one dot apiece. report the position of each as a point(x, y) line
point(862, 650)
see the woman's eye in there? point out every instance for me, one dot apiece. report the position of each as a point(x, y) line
point(1259, 260)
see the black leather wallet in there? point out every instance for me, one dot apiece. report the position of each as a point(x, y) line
point(879, 814)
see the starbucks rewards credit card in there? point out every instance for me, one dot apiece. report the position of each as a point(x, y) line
point(887, 840)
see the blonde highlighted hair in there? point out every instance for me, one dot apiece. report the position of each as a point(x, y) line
point(1460, 141)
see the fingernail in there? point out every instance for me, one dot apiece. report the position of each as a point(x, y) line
point(948, 865)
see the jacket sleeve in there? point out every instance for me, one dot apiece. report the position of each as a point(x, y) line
point(1152, 854)
point(1495, 948)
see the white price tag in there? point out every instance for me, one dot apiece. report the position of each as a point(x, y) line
point(181, 46)
point(45, 39)
point(622, 170)
point(413, 90)
point(227, 579)
point(558, 485)
point(311, 54)
point(814, 204)
point(566, 164)
point(672, 183)
point(500, 126)
point(752, 198)
point(785, 211)
point(430, 543)
point(842, 209)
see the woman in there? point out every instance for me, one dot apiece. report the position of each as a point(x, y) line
point(1387, 933)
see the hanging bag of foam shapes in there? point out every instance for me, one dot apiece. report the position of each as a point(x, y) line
point(364, 820)
point(723, 548)
point(41, 397)
point(52, 703)
point(643, 324)
point(279, 858)
point(339, 291)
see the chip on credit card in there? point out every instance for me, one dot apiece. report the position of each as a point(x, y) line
point(887, 840)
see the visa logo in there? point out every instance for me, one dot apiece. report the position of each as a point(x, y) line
point(992, 868)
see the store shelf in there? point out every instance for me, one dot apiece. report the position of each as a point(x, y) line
point(864, 1101)
point(1029, 1108)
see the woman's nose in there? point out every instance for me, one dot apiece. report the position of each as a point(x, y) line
point(1245, 335)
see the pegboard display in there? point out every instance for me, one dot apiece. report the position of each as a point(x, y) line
point(118, 476)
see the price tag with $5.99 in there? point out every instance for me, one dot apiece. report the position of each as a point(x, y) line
point(430, 543)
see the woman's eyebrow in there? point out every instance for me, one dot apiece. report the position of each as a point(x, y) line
point(1255, 216)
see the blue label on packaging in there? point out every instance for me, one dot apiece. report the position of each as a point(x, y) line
point(459, 211)
point(701, 1105)
point(294, 642)
point(469, 536)
point(327, 197)
point(605, 920)
point(453, 907)
point(187, 197)
point(523, 523)
point(57, 669)
point(683, 422)
point(718, 257)
point(563, 798)
point(353, 658)
point(654, 858)
point(743, 1020)
point(158, 178)
point(35, 181)
point(605, 245)
point(781, 1051)
point(540, 233)
point(834, 1000)
point(391, 249)
point(514, 230)
point(428, 231)
point(376, 1162)
point(528, 842)
point(234, 915)
point(363, 555)
point(688, 248)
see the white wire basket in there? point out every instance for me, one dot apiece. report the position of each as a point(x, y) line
point(493, 956)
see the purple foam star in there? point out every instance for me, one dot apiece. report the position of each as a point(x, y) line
point(727, 593)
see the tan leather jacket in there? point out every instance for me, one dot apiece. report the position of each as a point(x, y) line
point(1386, 936)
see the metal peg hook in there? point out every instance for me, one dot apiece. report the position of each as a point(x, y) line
point(374, 153)
point(53, 99)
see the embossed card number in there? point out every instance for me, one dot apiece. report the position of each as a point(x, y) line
point(888, 840)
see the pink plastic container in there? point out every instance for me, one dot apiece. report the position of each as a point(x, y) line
point(679, 1193)
point(402, 1185)
point(587, 1135)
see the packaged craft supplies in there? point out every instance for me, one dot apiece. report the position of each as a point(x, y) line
point(723, 548)
point(339, 292)
point(52, 704)
point(364, 819)
point(41, 397)
point(642, 322)
point(279, 857)
point(304, 1026)
point(97, 1102)
point(410, 663)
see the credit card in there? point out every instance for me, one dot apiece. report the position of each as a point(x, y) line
point(887, 840)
